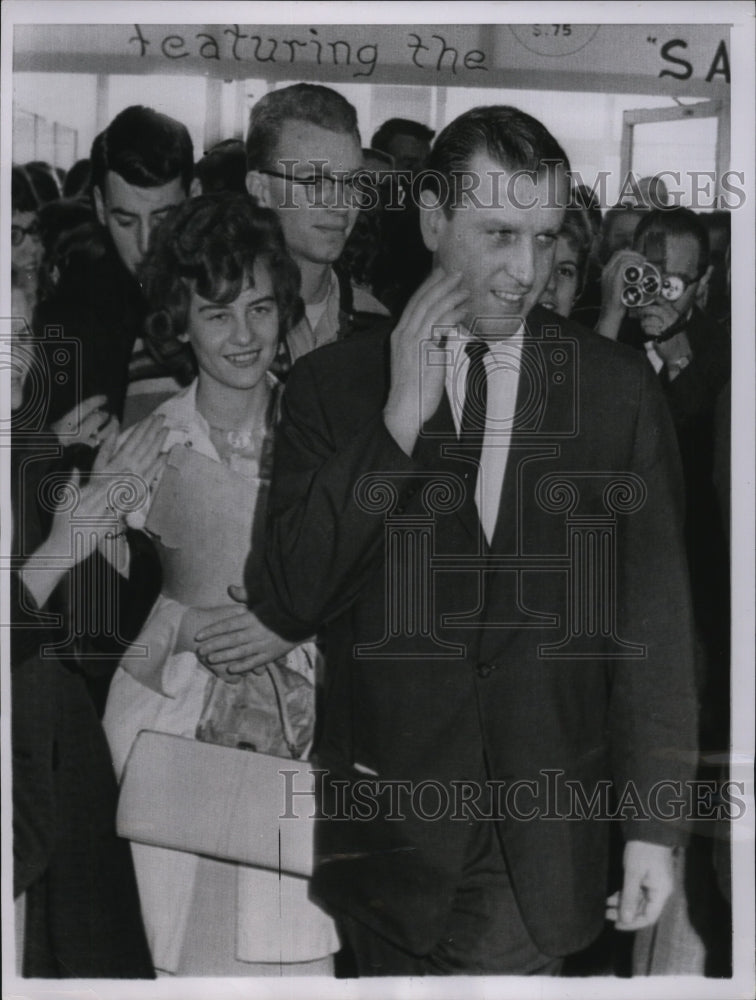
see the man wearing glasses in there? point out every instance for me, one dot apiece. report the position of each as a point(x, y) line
point(303, 158)
point(690, 352)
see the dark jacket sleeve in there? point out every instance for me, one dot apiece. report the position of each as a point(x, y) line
point(32, 740)
point(653, 705)
point(322, 538)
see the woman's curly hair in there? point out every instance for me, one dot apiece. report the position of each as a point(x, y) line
point(209, 245)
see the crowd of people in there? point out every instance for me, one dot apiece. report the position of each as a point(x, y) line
point(223, 365)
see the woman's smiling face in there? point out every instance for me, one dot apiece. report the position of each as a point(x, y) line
point(563, 285)
point(235, 342)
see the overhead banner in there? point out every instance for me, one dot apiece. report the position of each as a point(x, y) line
point(690, 59)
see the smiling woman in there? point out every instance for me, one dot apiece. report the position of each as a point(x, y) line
point(570, 263)
point(221, 291)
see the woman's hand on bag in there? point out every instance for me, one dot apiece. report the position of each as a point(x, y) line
point(238, 642)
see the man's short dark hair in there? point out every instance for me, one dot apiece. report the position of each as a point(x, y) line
point(223, 167)
point(144, 147)
point(676, 221)
point(510, 137)
point(210, 244)
point(400, 126)
point(306, 102)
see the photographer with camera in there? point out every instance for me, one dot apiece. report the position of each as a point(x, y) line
point(655, 285)
point(650, 300)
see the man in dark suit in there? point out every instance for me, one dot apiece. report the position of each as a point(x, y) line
point(480, 514)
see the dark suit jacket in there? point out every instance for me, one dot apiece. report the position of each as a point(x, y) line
point(510, 697)
point(82, 916)
point(97, 307)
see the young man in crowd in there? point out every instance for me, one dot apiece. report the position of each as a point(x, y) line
point(303, 150)
point(142, 166)
point(403, 260)
point(470, 668)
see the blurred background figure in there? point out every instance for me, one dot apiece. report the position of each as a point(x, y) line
point(378, 161)
point(587, 307)
point(619, 225)
point(569, 270)
point(46, 180)
point(26, 244)
point(649, 192)
point(222, 168)
point(716, 298)
point(407, 142)
point(403, 260)
point(77, 180)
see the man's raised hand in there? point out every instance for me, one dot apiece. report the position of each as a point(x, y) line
point(416, 384)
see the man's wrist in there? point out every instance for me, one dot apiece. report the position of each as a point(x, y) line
point(401, 427)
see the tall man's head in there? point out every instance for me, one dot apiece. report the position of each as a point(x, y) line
point(299, 139)
point(142, 167)
point(493, 202)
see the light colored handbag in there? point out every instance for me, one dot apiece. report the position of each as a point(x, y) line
point(221, 801)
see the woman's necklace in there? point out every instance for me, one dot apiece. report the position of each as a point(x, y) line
point(243, 448)
point(238, 439)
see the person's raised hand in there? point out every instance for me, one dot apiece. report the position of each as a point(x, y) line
point(84, 423)
point(612, 284)
point(417, 379)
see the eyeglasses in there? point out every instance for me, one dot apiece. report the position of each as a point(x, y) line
point(320, 190)
point(19, 234)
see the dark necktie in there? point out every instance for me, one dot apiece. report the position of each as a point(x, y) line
point(473, 424)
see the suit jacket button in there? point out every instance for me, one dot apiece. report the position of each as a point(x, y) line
point(484, 670)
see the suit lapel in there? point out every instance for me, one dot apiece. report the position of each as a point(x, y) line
point(544, 417)
point(544, 414)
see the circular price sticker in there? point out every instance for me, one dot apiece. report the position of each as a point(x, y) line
point(554, 39)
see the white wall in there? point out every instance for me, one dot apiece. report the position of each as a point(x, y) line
point(588, 125)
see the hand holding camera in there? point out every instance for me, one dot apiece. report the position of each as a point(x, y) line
point(644, 283)
point(613, 306)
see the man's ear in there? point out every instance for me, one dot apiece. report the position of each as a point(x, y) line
point(258, 186)
point(433, 219)
point(99, 203)
point(702, 288)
